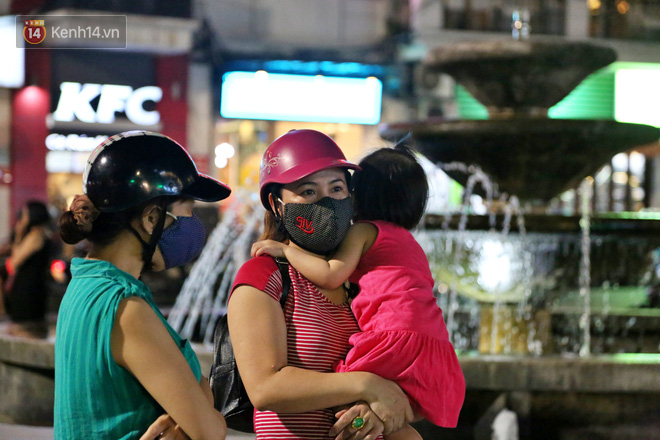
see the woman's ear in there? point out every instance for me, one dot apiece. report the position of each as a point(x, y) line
point(274, 206)
point(149, 218)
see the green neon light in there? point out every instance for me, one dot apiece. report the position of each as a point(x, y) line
point(596, 97)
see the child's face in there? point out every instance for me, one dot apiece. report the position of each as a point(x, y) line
point(325, 183)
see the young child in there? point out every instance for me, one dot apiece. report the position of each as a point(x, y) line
point(403, 335)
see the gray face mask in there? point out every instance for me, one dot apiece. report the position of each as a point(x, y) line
point(318, 227)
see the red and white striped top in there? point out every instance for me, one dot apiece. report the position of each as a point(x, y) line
point(317, 337)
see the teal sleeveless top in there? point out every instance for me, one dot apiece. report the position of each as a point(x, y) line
point(94, 397)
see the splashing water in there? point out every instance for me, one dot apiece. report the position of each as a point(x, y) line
point(586, 194)
point(199, 303)
point(476, 176)
point(491, 275)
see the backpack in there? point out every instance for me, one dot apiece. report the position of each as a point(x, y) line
point(229, 394)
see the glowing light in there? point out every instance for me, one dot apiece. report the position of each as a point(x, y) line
point(225, 149)
point(66, 161)
point(32, 96)
point(494, 267)
point(223, 152)
point(12, 73)
point(636, 95)
point(284, 97)
point(622, 6)
point(620, 177)
point(620, 162)
point(637, 162)
point(58, 270)
point(58, 266)
point(73, 142)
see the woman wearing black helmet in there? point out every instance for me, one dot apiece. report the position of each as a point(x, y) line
point(118, 364)
point(286, 356)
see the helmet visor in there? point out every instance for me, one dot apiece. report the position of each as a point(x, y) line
point(207, 189)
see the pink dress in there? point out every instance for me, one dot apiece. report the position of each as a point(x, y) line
point(403, 334)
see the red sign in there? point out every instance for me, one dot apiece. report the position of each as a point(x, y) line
point(34, 31)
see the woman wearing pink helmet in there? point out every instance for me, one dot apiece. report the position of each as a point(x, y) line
point(286, 355)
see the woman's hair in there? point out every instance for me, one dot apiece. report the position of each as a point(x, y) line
point(391, 186)
point(107, 225)
point(38, 214)
point(273, 227)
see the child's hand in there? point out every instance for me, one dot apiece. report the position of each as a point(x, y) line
point(270, 247)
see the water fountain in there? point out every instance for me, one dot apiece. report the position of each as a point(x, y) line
point(529, 156)
point(540, 310)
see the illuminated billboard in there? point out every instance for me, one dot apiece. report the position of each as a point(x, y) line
point(285, 97)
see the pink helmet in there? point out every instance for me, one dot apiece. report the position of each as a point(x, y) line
point(297, 154)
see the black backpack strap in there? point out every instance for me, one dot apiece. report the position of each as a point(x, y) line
point(286, 279)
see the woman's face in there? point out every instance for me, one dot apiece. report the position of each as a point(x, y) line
point(181, 208)
point(22, 222)
point(325, 183)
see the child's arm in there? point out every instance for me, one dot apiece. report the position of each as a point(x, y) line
point(325, 274)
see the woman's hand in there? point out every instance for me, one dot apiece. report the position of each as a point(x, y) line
point(370, 429)
point(270, 247)
point(164, 428)
point(389, 402)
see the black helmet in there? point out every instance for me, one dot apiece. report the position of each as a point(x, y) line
point(133, 167)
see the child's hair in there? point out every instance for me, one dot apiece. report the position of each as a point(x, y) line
point(391, 186)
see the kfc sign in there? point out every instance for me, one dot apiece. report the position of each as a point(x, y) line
point(76, 103)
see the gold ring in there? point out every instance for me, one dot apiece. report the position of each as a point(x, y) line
point(358, 423)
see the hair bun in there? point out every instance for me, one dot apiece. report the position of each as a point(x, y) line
point(84, 212)
point(70, 231)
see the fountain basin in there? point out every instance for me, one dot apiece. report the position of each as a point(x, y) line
point(531, 158)
point(519, 77)
point(520, 293)
point(27, 381)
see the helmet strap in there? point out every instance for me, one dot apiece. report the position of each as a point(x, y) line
point(148, 248)
point(278, 218)
point(276, 212)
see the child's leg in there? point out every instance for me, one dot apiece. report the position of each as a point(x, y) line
point(405, 433)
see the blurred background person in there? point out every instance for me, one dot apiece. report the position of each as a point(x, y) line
point(26, 272)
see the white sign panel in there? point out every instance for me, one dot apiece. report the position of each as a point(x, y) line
point(283, 97)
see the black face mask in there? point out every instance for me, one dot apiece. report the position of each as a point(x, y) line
point(318, 227)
